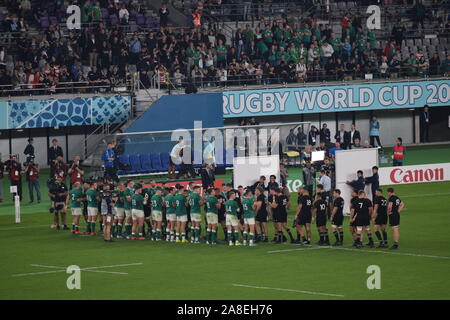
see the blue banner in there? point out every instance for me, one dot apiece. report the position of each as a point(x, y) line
point(64, 112)
point(382, 96)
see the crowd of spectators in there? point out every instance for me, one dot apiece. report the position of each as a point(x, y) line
point(271, 52)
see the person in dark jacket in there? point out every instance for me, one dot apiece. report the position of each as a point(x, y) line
point(425, 118)
point(325, 134)
point(374, 181)
point(207, 174)
point(359, 183)
point(343, 137)
point(29, 150)
point(354, 134)
point(54, 152)
point(312, 136)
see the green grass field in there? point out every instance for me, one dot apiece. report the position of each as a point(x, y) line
point(35, 257)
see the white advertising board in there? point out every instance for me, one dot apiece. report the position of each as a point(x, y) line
point(414, 174)
point(247, 170)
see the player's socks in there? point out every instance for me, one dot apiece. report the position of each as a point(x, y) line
point(327, 239)
point(119, 229)
point(369, 235)
point(92, 226)
point(290, 235)
point(73, 227)
point(183, 236)
point(228, 237)
point(341, 236)
point(251, 237)
point(244, 236)
point(298, 237)
point(385, 236)
point(322, 237)
point(178, 236)
point(236, 236)
point(213, 236)
point(378, 235)
point(336, 235)
point(208, 235)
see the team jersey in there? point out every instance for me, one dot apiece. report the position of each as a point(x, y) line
point(119, 195)
point(128, 192)
point(247, 204)
point(231, 207)
point(137, 202)
point(157, 202)
point(306, 203)
point(353, 202)
point(75, 194)
point(170, 203)
point(91, 196)
point(211, 202)
point(194, 202)
point(395, 203)
point(262, 198)
point(147, 194)
point(362, 207)
point(282, 202)
point(321, 207)
point(339, 204)
point(180, 200)
point(382, 205)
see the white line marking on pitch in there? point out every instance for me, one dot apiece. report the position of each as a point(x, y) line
point(89, 269)
point(370, 251)
point(426, 195)
point(289, 290)
point(27, 227)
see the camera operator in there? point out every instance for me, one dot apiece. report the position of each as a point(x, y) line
point(58, 193)
point(32, 173)
point(15, 174)
point(29, 150)
point(75, 171)
point(59, 168)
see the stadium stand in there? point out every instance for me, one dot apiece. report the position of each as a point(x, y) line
point(266, 42)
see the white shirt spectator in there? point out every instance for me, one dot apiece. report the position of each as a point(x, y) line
point(327, 50)
point(124, 14)
point(223, 75)
point(300, 69)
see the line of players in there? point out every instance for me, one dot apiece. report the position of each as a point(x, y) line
point(174, 213)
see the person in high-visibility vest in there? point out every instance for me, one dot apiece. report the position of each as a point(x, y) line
point(197, 19)
point(399, 152)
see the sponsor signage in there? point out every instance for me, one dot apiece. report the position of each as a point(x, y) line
point(414, 174)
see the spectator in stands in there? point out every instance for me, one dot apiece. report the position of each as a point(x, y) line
point(398, 32)
point(332, 151)
point(354, 134)
point(446, 66)
point(435, 64)
point(163, 15)
point(419, 14)
point(124, 15)
point(325, 134)
point(343, 137)
point(394, 67)
point(356, 144)
point(374, 132)
point(312, 135)
point(291, 140)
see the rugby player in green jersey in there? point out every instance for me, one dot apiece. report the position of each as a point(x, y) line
point(170, 204)
point(92, 197)
point(119, 211)
point(137, 213)
point(249, 218)
point(128, 192)
point(212, 207)
point(180, 210)
point(157, 204)
point(75, 198)
point(195, 201)
point(232, 208)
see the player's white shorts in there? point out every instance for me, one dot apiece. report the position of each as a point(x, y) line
point(196, 217)
point(119, 212)
point(76, 211)
point(128, 213)
point(249, 221)
point(212, 218)
point(182, 218)
point(171, 217)
point(232, 220)
point(156, 215)
point(92, 212)
point(136, 214)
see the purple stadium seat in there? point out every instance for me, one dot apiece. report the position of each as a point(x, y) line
point(53, 20)
point(133, 27)
point(114, 19)
point(105, 13)
point(140, 20)
point(2, 17)
point(44, 22)
point(156, 162)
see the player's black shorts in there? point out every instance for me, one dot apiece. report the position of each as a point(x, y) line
point(394, 219)
point(280, 217)
point(337, 220)
point(221, 216)
point(261, 216)
point(147, 212)
point(304, 219)
point(362, 221)
point(381, 219)
point(321, 221)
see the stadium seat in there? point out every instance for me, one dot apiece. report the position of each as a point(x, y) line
point(125, 160)
point(135, 163)
point(165, 160)
point(146, 165)
point(156, 162)
point(114, 20)
point(140, 19)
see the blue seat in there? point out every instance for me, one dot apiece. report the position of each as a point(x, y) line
point(135, 163)
point(165, 160)
point(156, 162)
point(125, 160)
point(146, 165)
